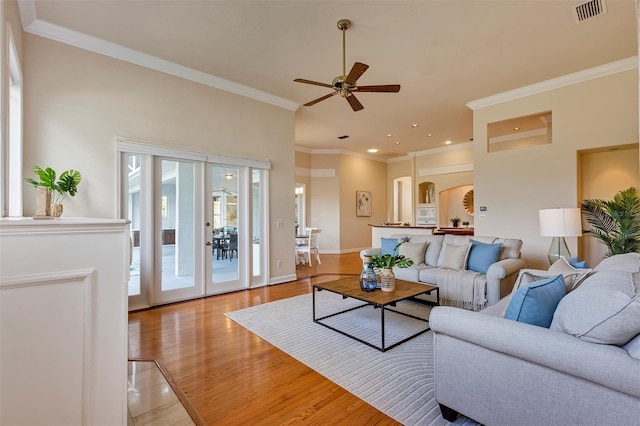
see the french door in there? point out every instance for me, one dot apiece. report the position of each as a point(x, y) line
point(197, 226)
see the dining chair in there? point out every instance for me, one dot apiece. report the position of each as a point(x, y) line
point(312, 247)
point(231, 246)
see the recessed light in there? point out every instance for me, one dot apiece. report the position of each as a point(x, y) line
point(372, 150)
point(516, 128)
point(389, 135)
point(397, 143)
point(429, 135)
point(414, 125)
point(447, 142)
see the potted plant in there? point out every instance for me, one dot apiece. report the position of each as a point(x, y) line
point(466, 223)
point(386, 262)
point(615, 223)
point(67, 183)
point(455, 221)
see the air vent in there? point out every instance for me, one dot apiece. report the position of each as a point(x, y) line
point(343, 137)
point(589, 9)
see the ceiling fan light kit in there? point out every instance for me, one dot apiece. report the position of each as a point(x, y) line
point(345, 84)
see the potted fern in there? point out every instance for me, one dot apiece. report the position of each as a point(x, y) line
point(66, 184)
point(616, 223)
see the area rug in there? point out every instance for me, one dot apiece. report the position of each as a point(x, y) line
point(398, 382)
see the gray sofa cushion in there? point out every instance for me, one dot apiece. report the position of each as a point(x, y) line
point(604, 309)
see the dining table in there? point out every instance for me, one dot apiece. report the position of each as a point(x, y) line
point(219, 241)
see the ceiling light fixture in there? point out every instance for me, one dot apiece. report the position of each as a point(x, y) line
point(429, 135)
point(389, 135)
point(447, 142)
point(414, 125)
point(516, 128)
point(228, 175)
point(397, 143)
point(372, 150)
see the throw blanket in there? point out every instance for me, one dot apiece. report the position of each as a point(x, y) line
point(462, 289)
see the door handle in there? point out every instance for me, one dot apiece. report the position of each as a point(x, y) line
point(208, 243)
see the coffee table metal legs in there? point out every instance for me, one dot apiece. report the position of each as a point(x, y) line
point(382, 347)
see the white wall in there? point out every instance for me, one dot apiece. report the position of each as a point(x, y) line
point(77, 102)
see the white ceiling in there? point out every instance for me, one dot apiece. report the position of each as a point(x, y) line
point(443, 53)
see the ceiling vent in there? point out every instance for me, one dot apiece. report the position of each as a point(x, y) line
point(589, 9)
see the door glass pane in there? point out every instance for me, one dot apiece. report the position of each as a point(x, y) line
point(225, 231)
point(177, 233)
point(255, 220)
point(133, 214)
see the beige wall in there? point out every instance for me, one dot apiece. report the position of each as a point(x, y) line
point(333, 182)
point(602, 175)
point(515, 184)
point(77, 102)
point(359, 174)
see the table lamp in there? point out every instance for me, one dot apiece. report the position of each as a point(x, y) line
point(559, 223)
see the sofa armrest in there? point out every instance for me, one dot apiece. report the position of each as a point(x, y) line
point(370, 252)
point(500, 278)
point(607, 365)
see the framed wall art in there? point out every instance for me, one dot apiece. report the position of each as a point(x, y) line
point(363, 203)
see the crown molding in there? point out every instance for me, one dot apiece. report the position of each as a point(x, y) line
point(340, 152)
point(33, 25)
point(556, 83)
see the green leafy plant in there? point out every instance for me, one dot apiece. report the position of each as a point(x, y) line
point(455, 221)
point(390, 260)
point(615, 223)
point(67, 182)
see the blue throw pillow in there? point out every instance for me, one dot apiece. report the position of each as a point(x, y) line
point(482, 256)
point(578, 264)
point(388, 245)
point(536, 303)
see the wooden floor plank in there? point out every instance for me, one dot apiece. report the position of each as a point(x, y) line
point(232, 376)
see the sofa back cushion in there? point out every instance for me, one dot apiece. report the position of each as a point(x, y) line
point(604, 309)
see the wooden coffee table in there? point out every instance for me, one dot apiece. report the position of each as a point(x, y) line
point(350, 287)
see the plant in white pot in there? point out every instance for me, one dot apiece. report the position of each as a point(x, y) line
point(66, 184)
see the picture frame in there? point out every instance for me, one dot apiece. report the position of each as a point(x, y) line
point(363, 203)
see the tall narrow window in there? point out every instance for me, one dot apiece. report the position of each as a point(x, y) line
point(15, 131)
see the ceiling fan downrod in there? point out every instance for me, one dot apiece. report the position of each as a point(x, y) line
point(344, 25)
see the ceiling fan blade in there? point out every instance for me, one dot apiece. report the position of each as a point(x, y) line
point(354, 102)
point(315, 101)
point(394, 88)
point(356, 71)
point(315, 83)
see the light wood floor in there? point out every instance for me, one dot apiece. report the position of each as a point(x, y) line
point(233, 377)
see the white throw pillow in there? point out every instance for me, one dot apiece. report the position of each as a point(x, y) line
point(604, 309)
point(413, 251)
point(455, 256)
point(573, 277)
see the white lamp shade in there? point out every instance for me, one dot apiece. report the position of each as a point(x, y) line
point(560, 222)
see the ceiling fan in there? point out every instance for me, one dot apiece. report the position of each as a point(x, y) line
point(345, 84)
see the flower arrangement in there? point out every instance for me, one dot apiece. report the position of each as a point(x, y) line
point(455, 221)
